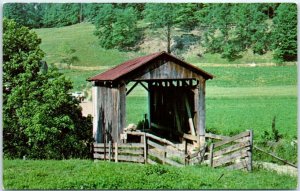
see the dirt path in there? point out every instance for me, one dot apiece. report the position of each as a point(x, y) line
point(87, 108)
point(88, 68)
point(280, 169)
point(241, 65)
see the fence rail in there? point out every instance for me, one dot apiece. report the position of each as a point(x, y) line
point(234, 152)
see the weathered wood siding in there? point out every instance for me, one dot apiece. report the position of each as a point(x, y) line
point(109, 110)
point(200, 113)
point(169, 70)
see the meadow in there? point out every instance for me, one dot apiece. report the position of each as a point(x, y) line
point(241, 98)
point(85, 174)
point(237, 99)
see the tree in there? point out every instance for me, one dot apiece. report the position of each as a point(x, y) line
point(234, 28)
point(169, 16)
point(27, 14)
point(284, 33)
point(40, 118)
point(117, 27)
point(58, 15)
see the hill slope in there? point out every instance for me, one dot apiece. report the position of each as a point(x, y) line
point(79, 39)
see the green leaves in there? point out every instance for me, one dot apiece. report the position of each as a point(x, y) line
point(117, 27)
point(284, 33)
point(41, 120)
point(234, 28)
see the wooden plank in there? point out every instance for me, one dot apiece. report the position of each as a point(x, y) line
point(188, 108)
point(100, 150)
point(186, 161)
point(214, 136)
point(201, 113)
point(99, 156)
point(155, 154)
point(145, 148)
point(144, 86)
point(232, 148)
point(165, 149)
point(135, 133)
point(177, 120)
point(231, 139)
point(157, 146)
point(239, 165)
point(228, 158)
point(161, 140)
point(128, 92)
point(131, 145)
point(211, 154)
point(116, 151)
point(131, 151)
point(151, 161)
point(173, 163)
point(223, 137)
point(127, 158)
point(193, 155)
point(249, 162)
point(190, 137)
point(96, 145)
point(109, 151)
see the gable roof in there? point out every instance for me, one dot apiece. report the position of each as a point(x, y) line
point(121, 70)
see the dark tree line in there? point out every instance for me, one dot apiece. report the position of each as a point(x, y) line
point(228, 29)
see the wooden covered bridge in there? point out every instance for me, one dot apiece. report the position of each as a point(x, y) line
point(176, 116)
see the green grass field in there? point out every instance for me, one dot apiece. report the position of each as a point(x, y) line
point(80, 38)
point(84, 174)
point(237, 99)
point(244, 98)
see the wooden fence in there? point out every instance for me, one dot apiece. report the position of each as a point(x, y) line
point(233, 152)
point(131, 152)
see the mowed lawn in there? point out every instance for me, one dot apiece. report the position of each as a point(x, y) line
point(85, 174)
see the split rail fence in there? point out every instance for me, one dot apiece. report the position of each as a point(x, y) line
point(234, 152)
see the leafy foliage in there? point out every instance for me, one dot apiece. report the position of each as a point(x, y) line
point(228, 29)
point(27, 14)
point(117, 27)
point(57, 15)
point(41, 120)
point(284, 34)
point(234, 28)
point(169, 16)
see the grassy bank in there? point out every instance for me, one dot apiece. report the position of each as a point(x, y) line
point(81, 39)
point(83, 174)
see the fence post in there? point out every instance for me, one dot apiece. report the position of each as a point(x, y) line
point(116, 151)
point(211, 155)
point(185, 152)
point(145, 148)
point(250, 150)
point(109, 151)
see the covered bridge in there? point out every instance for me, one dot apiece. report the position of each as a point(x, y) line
point(176, 97)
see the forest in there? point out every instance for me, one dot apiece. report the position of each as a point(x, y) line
point(50, 49)
point(227, 29)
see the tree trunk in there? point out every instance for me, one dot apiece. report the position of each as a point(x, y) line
point(169, 39)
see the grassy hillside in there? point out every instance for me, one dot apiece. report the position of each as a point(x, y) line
point(80, 38)
point(88, 52)
point(83, 174)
